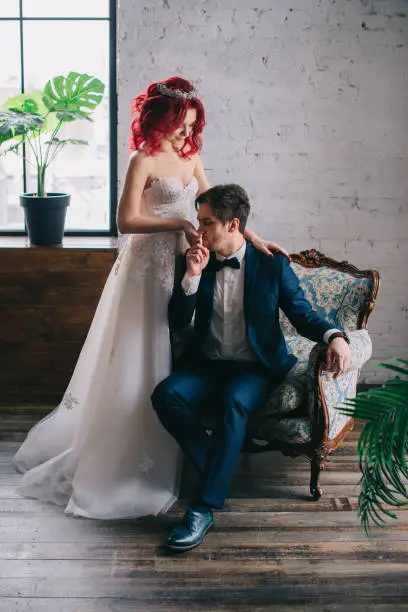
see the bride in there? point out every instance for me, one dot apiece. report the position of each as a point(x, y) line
point(102, 453)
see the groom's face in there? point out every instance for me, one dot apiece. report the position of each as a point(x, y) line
point(215, 233)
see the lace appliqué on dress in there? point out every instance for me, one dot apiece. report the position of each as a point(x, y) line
point(146, 464)
point(118, 262)
point(154, 256)
point(69, 401)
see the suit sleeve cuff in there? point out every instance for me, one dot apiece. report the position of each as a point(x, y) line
point(190, 284)
point(326, 335)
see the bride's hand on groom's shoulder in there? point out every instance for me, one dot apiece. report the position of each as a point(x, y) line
point(269, 248)
point(197, 258)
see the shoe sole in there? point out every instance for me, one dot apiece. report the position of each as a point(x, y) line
point(191, 546)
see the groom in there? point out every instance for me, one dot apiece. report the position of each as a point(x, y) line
point(238, 354)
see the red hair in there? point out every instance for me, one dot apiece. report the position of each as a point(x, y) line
point(156, 114)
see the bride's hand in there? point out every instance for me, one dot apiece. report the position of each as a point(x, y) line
point(190, 233)
point(269, 248)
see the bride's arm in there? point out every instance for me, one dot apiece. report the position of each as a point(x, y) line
point(266, 246)
point(199, 173)
point(129, 218)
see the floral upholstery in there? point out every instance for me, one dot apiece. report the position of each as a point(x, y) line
point(292, 392)
point(341, 298)
point(337, 296)
point(353, 303)
point(336, 391)
point(294, 431)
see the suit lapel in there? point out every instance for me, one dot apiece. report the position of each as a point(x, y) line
point(206, 296)
point(251, 269)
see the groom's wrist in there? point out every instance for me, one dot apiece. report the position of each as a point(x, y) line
point(190, 284)
point(192, 274)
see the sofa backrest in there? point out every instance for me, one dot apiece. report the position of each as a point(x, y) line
point(338, 296)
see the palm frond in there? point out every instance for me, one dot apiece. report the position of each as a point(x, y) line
point(382, 447)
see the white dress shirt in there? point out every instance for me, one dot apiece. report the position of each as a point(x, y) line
point(227, 338)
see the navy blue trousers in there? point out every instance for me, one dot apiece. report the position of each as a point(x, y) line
point(232, 390)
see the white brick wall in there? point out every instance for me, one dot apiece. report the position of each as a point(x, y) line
point(307, 108)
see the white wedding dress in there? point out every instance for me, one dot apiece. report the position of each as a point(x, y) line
point(103, 453)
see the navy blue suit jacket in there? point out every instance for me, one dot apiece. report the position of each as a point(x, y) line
point(270, 284)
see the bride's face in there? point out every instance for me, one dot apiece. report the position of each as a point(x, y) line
point(178, 137)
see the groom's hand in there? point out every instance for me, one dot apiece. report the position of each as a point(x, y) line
point(338, 357)
point(197, 258)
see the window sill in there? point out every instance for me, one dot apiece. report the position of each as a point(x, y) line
point(70, 242)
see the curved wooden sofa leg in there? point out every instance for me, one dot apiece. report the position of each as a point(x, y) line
point(316, 490)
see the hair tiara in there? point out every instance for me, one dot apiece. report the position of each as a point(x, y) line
point(176, 93)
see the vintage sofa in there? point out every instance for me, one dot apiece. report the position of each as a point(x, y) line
point(300, 417)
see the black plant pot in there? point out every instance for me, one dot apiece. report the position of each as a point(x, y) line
point(45, 217)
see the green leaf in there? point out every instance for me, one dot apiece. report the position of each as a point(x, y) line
point(16, 125)
point(27, 103)
point(76, 93)
point(32, 103)
point(69, 116)
point(12, 149)
point(395, 368)
point(74, 141)
point(382, 447)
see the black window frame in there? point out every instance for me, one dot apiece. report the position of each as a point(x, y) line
point(113, 114)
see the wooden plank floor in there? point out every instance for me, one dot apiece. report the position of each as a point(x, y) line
point(272, 548)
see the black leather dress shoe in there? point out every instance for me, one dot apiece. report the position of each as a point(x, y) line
point(191, 532)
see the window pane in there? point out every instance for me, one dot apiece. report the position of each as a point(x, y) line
point(9, 8)
point(11, 167)
point(82, 171)
point(61, 8)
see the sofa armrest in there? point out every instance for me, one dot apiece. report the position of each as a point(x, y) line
point(325, 393)
point(361, 348)
point(360, 352)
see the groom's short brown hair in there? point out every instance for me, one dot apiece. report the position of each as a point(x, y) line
point(227, 202)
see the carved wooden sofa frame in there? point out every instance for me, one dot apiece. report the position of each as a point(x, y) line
point(321, 411)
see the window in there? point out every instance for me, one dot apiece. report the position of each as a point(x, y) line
point(42, 39)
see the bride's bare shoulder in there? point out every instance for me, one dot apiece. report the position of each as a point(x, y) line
point(140, 161)
point(140, 156)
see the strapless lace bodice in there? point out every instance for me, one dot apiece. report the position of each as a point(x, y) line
point(169, 198)
point(153, 255)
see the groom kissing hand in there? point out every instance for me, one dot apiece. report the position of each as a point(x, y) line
point(197, 258)
point(238, 354)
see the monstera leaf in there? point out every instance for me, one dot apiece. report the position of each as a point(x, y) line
point(74, 96)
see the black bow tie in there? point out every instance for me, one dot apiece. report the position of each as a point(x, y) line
point(230, 263)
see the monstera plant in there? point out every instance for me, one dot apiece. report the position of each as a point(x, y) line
point(382, 447)
point(33, 122)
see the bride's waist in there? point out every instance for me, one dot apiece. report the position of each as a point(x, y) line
point(169, 214)
point(170, 240)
